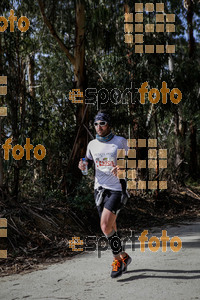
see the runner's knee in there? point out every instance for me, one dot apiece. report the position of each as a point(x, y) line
point(106, 228)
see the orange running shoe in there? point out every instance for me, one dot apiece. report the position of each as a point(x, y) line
point(118, 267)
point(126, 261)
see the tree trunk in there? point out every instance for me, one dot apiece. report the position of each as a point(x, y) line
point(190, 12)
point(1, 152)
point(193, 151)
point(19, 102)
point(1, 159)
point(79, 74)
point(31, 89)
point(193, 142)
point(78, 62)
point(31, 81)
point(180, 132)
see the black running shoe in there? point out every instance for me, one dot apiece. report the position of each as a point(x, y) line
point(118, 267)
point(126, 261)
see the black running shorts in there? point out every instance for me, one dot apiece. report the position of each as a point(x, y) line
point(111, 201)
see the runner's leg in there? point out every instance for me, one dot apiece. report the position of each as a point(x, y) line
point(108, 226)
point(108, 221)
point(123, 253)
point(115, 226)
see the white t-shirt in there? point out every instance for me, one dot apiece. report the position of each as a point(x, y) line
point(104, 156)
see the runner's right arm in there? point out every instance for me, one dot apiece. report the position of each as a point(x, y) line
point(88, 157)
point(89, 161)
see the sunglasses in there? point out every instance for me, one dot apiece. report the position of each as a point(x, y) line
point(102, 123)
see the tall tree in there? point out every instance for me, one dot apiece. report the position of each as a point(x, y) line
point(78, 62)
point(189, 4)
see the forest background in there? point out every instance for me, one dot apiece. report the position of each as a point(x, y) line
point(79, 45)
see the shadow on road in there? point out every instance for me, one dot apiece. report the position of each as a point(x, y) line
point(143, 276)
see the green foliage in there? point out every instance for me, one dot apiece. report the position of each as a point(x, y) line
point(83, 198)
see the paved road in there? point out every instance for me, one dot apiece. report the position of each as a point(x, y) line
point(151, 275)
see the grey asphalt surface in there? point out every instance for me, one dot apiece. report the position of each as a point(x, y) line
point(151, 275)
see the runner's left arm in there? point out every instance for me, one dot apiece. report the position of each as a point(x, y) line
point(124, 181)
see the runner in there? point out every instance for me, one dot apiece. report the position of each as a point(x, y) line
point(110, 192)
